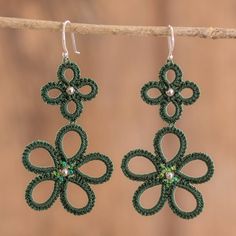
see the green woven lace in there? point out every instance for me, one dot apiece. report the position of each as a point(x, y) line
point(63, 84)
point(66, 169)
point(168, 174)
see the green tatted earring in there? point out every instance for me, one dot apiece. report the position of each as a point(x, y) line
point(66, 169)
point(168, 174)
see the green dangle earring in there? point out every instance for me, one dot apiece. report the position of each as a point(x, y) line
point(66, 169)
point(168, 174)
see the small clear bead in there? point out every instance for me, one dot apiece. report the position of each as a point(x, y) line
point(170, 92)
point(169, 175)
point(65, 172)
point(70, 90)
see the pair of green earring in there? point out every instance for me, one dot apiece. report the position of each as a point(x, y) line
point(66, 169)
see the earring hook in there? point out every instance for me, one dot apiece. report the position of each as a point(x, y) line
point(65, 54)
point(171, 42)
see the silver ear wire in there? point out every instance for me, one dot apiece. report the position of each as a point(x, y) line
point(171, 43)
point(65, 53)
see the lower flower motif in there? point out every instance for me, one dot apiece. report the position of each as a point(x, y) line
point(168, 175)
point(66, 170)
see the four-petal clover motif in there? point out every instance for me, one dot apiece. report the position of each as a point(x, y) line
point(168, 174)
point(69, 91)
point(170, 92)
point(66, 169)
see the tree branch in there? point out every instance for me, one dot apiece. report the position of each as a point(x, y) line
point(160, 31)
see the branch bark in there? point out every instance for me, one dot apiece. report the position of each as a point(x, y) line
point(159, 31)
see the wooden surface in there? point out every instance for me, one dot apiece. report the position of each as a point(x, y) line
point(118, 120)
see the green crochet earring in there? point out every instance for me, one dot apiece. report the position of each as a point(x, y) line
point(168, 174)
point(66, 169)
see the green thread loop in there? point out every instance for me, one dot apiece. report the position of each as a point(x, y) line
point(170, 92)
point(65, 170)
point(168, 175)
point(69, 91)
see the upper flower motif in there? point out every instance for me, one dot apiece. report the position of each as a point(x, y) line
point(170, 92)
point(65, 170)
point(69, 91)
point(168, 174)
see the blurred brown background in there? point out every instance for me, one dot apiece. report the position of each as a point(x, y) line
point(118, 120)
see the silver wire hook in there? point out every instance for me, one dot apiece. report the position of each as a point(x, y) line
point(171, 42)
point(65, 54)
